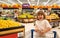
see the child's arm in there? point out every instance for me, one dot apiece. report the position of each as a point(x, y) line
point(36, 28)
point(46, 30)
point(47, 27)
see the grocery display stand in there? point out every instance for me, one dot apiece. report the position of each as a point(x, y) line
point(11, 32)
point(33, 35)
point(54, 22)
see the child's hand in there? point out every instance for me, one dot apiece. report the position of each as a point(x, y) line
point(36, 30)
point(42, 33)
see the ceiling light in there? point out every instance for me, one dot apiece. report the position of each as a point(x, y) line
point(47, 1)
point(3, 2)
point(32, 0)
point(29, 2)
point(52, 2)
point(33, 4)
point(19, 1)
point(11, 1)
point(38, 2)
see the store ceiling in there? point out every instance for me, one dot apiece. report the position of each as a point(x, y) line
point(35, 2)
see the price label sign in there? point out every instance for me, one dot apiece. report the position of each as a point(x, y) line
point(25, 5)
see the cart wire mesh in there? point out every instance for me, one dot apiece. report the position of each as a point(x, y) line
point(53, 32)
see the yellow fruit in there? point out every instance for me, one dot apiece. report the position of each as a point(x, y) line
point(30, 16)
point(8, 24)
point(55, 16)
point(26, 13)
point(22, 16)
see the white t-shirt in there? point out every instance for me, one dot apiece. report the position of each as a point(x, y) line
point(42, 24)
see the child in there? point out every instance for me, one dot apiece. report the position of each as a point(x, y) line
point(42, 26)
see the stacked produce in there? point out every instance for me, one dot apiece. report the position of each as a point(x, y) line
point(8, 24)
point(5, 18)
point(26, 17)
point(52, 16)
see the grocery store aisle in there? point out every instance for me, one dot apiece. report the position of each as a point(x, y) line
point(28, 27)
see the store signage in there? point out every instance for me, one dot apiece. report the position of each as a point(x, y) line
point(26, 5)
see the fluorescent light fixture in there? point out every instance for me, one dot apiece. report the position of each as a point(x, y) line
point(52, 2)
point(33, 4)
point(58, 1)
point(45, 3)
point(11, 1)
point(38, 2)
point(32, 0)
point(29, 2)
point(19, 1)
point(3, 2)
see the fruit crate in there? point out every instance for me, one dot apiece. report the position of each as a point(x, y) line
point(11, 30)
point(26, 20)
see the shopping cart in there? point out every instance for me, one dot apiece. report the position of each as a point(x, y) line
point(32, 33)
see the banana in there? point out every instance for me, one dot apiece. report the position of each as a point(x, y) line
point(8, 24)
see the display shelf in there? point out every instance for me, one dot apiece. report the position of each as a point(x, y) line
point(27, 22)
point(11, 30)
point(53, 20)
point(27, 18)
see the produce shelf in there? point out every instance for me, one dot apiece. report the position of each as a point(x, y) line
point(11, 30)
point(53, 20)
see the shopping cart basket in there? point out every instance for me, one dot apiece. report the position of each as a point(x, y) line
point(32, 33)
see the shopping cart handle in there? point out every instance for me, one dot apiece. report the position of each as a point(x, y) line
point(54, 34)
point(32, 33)
point(34, 30)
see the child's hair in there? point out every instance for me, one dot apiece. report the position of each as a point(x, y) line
point(40, 13)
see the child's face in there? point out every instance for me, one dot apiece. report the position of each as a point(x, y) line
point(40, 17)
